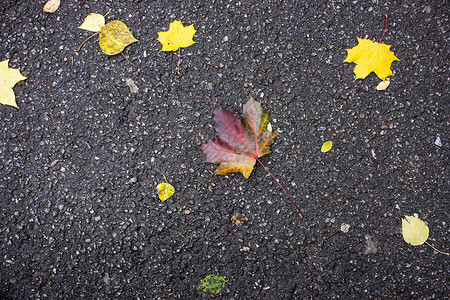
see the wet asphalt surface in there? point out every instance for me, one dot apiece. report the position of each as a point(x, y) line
point(80, 160)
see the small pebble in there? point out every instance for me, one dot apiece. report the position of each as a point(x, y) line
point(345, 227)
point(438, 142)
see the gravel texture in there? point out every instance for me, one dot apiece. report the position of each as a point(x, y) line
point(80, 160)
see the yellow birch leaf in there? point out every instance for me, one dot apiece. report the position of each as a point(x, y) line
point(371, 57)
point(8, 79)
point(114, 37)
point(165, 191)
point(177, 36)
point(93, 22)
point(415, 231)
point(326, 146)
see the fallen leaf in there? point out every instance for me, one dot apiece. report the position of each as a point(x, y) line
point(177, 36)
point(93, 22)
point(114, 37)
point(238, 219)
point(326, 146)
point(241, 141)
point(130, 83)
point(383, 85)
point(51, 6)
point(415, 231)
point(8, 79)
point(213, 284)
point(371, 56)
point(165, 191)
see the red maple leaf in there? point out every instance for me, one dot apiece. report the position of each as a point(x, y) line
point(242, 141)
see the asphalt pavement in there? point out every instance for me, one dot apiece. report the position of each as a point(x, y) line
point(80, 160)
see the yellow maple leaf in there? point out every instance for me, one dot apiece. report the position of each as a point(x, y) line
point(177, 36)
point(8, 79)
point(371, 56)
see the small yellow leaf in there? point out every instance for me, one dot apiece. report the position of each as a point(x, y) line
point(93, 22)
point(326, 146)
point(269, 127)
point(371, 56)
point(51, 5)
point(177, 36)
point(165, 191)
point(114, 37)
point(383, 85)
point(415, 231)
point(8, 79)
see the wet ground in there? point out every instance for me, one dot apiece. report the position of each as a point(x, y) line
point(80, 159)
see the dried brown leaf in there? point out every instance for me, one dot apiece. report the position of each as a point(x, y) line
point(51, 5)
point(238, 219)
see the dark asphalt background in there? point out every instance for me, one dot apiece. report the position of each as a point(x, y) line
point(80, 160)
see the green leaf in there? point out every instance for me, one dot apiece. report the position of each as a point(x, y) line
point(213, 284)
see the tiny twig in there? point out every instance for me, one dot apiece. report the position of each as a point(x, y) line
point(51, 115)
point(295, 204)
point(385, 27)
point(81, 45)
point(178, 65)
point(128, 59)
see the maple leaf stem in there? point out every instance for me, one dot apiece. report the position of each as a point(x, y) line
point(385, 27)
point(295, 204)
point(81, 45)
point(178, 65)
